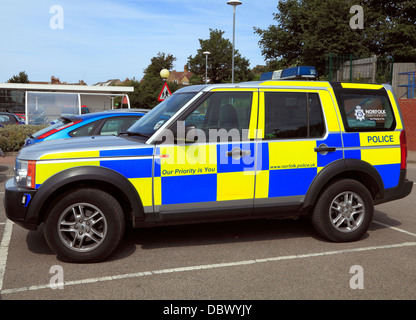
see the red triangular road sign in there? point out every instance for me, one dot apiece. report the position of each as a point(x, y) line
point(165, 93)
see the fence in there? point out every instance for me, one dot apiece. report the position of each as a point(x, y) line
point(352, 68)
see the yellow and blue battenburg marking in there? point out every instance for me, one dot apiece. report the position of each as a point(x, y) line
point(287, 168)
point(204, 173)
point(380, 149)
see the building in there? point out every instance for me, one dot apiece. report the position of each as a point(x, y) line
point(180, 77)
point(40, 103)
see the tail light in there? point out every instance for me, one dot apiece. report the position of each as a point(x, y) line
point(403, 150)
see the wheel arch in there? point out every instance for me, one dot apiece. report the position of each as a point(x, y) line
point(354, 169)
point(85, 176)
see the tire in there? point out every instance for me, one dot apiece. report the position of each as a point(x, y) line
point(344, 211)
point(84, 225)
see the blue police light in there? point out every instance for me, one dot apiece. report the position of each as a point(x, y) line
point(294, 73)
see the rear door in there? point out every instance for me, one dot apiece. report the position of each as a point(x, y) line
point(298, 140)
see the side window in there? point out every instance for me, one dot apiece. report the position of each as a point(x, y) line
point(365, 110)
point(114, 125)
point(291, 115)
point(84, 130)
point(223, 110)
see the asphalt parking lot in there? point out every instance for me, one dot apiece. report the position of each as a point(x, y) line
point(265, 259)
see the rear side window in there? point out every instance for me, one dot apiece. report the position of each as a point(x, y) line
point(365, 110)
point(84, 130)
point(291, 115)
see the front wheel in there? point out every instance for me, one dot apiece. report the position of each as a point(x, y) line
point(343, 211)
point(84, 225)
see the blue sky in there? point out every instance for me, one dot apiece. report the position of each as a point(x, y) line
point(107, 39)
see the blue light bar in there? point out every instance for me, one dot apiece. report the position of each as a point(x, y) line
point(302, 72)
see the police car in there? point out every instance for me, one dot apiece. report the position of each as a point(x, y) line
point(272, 148)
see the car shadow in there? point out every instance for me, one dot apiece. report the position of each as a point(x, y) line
point(212, 233)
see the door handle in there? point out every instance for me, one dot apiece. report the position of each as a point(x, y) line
point(237, 153)
point(323, 148)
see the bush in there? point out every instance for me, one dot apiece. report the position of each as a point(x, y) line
point(12, 137)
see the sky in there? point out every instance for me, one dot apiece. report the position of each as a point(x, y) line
point(98, 40)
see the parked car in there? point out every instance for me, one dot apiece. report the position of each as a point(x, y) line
point(9, 118)
point(100, 123)
point(267, 149)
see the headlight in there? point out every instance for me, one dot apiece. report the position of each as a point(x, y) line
point(24, 173)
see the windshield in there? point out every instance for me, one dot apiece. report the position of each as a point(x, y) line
point(149, 123)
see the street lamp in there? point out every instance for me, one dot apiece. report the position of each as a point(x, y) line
point(164, 74)
point(233, 3)
point(207, 53)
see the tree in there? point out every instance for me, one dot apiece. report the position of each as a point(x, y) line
point(219, 61)
point(391, 28)
point(21, 78)
point(151, 84)
point(307, 30)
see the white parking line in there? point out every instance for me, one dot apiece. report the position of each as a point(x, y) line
point(4, 249)
point(208, 267)
point(394, 228)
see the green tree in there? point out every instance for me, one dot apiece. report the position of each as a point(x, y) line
point(149, 88)
point(307, 30)
point(21, 78)
point(219, 61)
point(390, 28)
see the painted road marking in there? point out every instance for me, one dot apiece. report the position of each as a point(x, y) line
point(394, 228)
point(208, 267)
point(4, 249)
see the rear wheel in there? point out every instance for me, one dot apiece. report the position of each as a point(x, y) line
point(344, 211)
point(84, 225)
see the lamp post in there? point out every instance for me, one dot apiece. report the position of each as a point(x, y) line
point(207, 53)
point(233, 3)
point(164, 74)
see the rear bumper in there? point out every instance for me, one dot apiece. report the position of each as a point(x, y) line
point(403, 189)
point(16, 203)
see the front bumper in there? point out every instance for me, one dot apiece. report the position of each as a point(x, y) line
point(16, 203)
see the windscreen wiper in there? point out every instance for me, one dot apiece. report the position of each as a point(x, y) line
point(130, 133)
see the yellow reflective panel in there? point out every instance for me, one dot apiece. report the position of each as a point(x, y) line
point(235, 185)
point(361, 86)
point(144, 189)
point(381, 156)
point(72, 155)
point(385, 138)
point(293, 83)
point(262, 184)
point(292, 155)
point(46, 169)
point(399, 124)
point(188, 160)
point(252, 134)
point(330, 112)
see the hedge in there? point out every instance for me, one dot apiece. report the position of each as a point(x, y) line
point(12, 137)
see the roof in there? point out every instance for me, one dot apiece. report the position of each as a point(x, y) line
point(66, 88)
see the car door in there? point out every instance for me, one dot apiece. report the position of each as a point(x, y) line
point(296, 145)
point(209, 170)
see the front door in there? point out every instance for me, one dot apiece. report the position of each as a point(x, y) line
point(210, 169)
